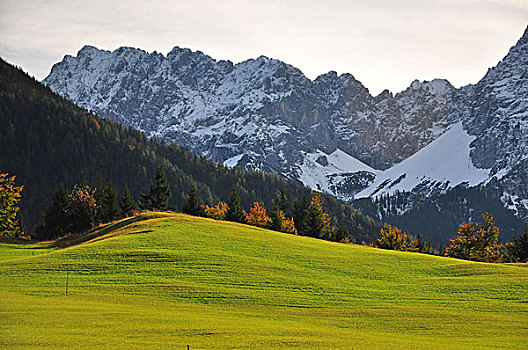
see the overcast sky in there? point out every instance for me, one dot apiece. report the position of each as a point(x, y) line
point(384, 43)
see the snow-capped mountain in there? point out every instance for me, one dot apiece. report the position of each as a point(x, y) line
point(444, 163)
point(261, 113)
point(329, 133)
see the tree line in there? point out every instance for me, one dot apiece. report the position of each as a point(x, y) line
point(86, 206)
point(434, 216)
point(478, 241)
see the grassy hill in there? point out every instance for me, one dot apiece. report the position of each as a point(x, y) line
point(167, 280)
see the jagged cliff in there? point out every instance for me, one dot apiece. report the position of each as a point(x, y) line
point(329, 133)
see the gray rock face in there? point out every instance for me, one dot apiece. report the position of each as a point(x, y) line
point(497, 113)
point(265, 114)
point(264, 111)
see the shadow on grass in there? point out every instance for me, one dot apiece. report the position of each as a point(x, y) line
point(70, 240)
point(17, 241)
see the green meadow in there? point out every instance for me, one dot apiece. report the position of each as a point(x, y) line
point(169, 280)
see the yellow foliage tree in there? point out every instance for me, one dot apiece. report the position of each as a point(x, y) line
point(9, 198)
point(217, 212)
point(288, 226)
point(478, 242)
point(391, 238)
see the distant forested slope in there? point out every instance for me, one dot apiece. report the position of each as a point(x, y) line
point(46, 141)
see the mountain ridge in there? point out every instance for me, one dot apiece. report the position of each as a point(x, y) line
point(48, 142)
point(265, 114)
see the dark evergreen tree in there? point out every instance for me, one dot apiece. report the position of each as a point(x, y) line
point(159, 194)
point(317, 223)
point(517, 250)
point(127, 204)
point(300, 208)
point(81, 209)
point(281, 202)
point(277, 219)
point(192, 204)
point(145, 202)
point(314, 220)
point(108, 197)
point(234, 211)
point(522, 246)
point(54, 220)
point(341, 234)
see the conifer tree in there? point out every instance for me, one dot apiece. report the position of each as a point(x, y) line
point(234, 210)
point(144, 201)
point(127, 204)
point(517, 250)
point(192, 204)
point(108, 211)
point(81, 209)
point(54, 220)
point(257, 216)
point(521, 244)
point(281, 202)
point(341, 234)
point(277, 219)
point(300, 208)
point(288, 226)
point(280, 205)
point(317, 222)
point(159, 194)
point(391, 238)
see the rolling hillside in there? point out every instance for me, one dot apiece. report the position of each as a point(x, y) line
point(165, 280)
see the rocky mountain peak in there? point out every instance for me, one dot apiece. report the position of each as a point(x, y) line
point(524, 38)
point(88, 50)
point(266, 114)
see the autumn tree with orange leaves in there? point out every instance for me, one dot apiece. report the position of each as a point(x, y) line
point(257, 216)
point(477, 242)
point(9, 199)
point(279, 222)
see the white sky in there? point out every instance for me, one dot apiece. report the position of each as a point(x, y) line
point(383, 43)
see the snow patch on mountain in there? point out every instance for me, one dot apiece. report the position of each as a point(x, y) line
point(320, 170)
point(445, 161)
point(233, 161)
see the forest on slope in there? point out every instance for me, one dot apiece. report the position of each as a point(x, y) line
point(47, 141)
